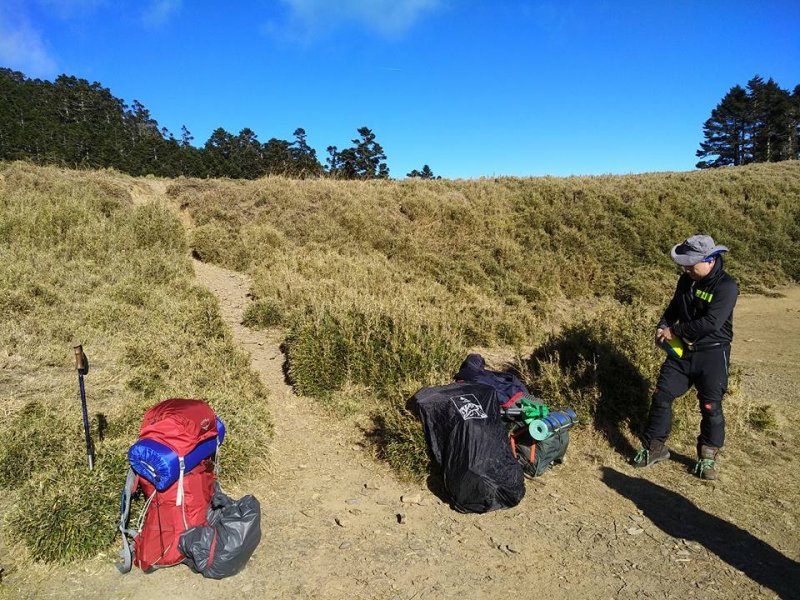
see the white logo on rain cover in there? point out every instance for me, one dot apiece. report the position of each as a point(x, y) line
point(469, 407)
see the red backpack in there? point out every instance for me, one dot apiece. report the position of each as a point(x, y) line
point(173, 463)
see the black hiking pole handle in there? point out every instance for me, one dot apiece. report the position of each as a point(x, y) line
point(82, 365)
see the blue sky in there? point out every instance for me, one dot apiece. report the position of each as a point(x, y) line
point(470, 87)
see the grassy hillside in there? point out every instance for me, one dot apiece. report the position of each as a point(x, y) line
point(503, 253)
point(384, 286)
point(80, 263)
point(380, 288)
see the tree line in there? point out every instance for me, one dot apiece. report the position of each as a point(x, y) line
point(74, 123)
point(756, 123)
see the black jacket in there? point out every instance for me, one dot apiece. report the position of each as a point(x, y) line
point(701, 312)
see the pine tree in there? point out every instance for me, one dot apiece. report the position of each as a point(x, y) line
point(365, 160)
point(217, 153)
point(757, 124)
point(728, 132)
point(304, 156)
point(247, 156)
point(278, 157)
point(145, 139)
point(186, 137)
point(333, 161)
point(425, 173)
point(796, 109)
point(774, 125)
point(15, 108)
point(369, 157)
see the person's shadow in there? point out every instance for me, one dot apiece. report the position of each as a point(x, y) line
point(680, 518)
point(624, 392)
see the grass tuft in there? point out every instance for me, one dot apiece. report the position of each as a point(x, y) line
point(762, 418)
point(70, 512)
point(264, 313)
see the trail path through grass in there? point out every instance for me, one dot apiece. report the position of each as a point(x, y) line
point(334, 524)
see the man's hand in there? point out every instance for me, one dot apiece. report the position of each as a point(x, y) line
point(664, 335)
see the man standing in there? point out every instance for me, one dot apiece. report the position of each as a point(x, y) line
point(697, 330)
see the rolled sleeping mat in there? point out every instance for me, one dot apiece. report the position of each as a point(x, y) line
point(538, 430)
point(160, 464)
point(559, 420)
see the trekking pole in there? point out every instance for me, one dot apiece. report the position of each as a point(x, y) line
point(82, 365)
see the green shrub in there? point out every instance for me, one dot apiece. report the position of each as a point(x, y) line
point(762, 418)
point(266, 312)
point(602, 366)
point(367, 346)
point(382, 359)
point(69, 512)
point(217, 244)
point(398, 438)
point(36, 437)
point(155, 226)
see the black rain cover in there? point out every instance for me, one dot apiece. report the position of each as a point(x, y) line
point(223, 547)
point(467, 438)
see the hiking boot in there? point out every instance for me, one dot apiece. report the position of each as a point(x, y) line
point(646, 457)
point(706, 467)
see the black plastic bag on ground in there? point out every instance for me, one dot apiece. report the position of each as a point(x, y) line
point(467, 438)
point(223, 547)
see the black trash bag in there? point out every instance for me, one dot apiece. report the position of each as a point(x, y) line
point(223, 547)
point(467, 438)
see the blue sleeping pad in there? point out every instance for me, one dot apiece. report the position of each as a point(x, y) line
point(160, 465)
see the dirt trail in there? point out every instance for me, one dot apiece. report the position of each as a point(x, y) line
point(335, 526)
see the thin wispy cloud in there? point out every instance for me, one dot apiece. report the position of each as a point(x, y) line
point(160, 12)
point(22, 47)
point(310, 19)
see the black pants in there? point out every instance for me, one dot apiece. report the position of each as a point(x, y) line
point(707, 370)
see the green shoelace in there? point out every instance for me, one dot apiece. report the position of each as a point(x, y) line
point(703, 465)
point(642, 455)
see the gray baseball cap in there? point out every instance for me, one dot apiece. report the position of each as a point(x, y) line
point(695, 249)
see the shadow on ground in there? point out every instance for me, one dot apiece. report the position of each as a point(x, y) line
point(589, 363)
point(680, 518)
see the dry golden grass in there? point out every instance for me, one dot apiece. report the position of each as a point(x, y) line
point(80, 263)
point(356, 271)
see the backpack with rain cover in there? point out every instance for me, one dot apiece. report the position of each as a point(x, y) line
point(173, 464)
point(539, 437)
point(467, 438)
point(186, 517)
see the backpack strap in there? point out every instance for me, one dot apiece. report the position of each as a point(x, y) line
point(179, 498)
point(126, 554)
point(510, 402)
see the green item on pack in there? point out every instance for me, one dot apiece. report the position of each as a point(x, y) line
point(527, 409)
point(533, 410)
